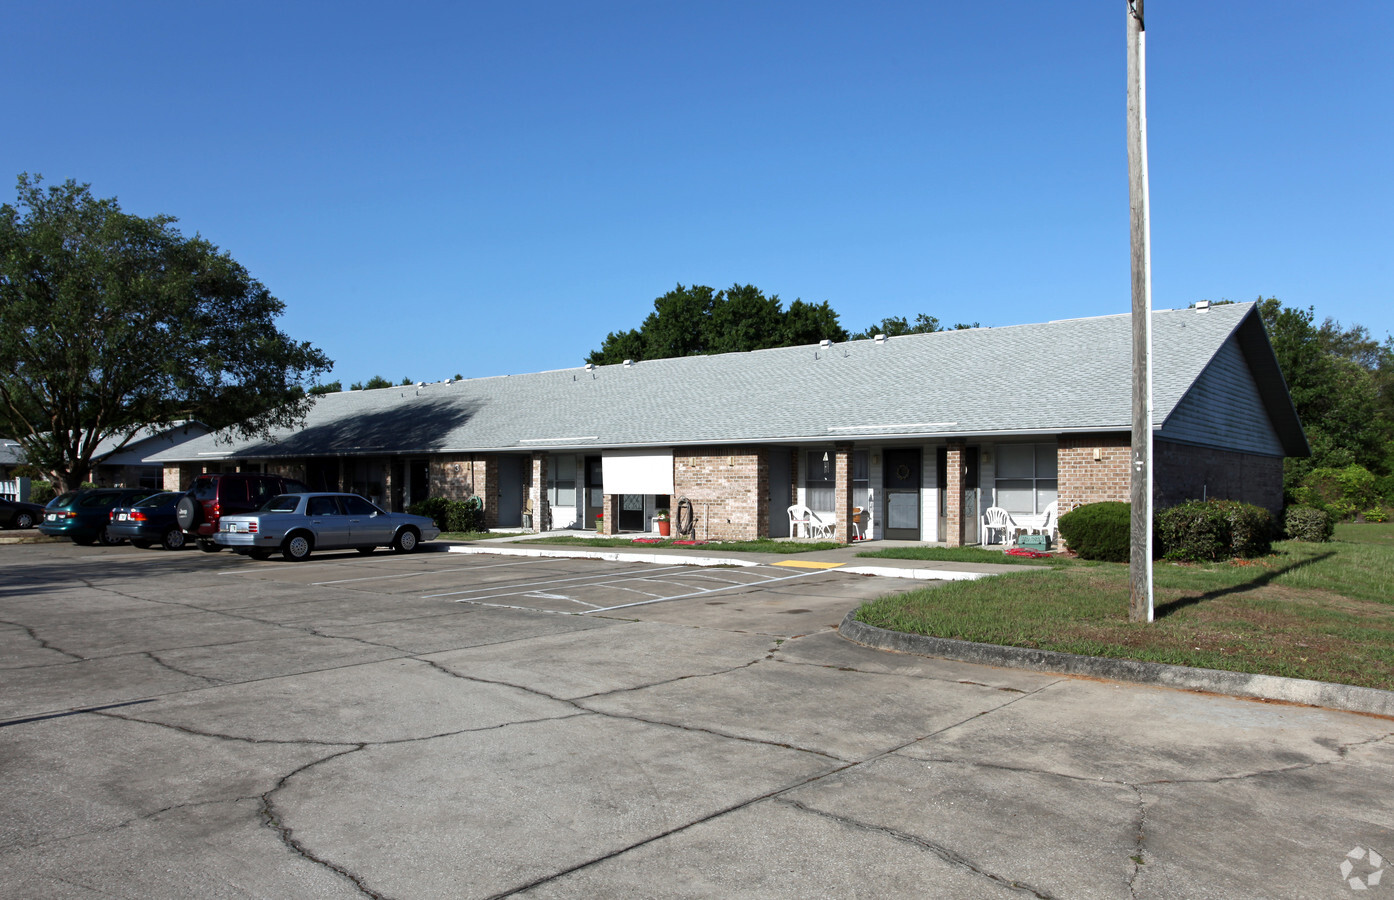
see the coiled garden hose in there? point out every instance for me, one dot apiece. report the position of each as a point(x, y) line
point(684, 523)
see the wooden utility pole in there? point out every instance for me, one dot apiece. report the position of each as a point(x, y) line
point(1140, 606)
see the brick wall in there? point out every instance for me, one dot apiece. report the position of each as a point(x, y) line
point(1093, 468)
point(728, 487)
point(1181, 472)
point(461, 476)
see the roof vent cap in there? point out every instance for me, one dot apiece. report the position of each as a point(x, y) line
point(880, 339)
point(1202, 306)
point(825, 343)
point(590, 367)
point(629, 363)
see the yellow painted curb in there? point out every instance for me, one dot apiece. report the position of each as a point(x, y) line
point(804, 564)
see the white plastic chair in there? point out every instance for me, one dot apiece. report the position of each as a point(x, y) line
point(813, 524)
point(998, 519)
point(1050, 525)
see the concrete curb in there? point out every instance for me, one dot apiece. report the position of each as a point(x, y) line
point(1236, 684)
point(916, 574)
point(609, 555)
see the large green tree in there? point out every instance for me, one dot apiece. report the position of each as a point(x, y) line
point(111, 322)
point(1342, 383)
point(697, 320)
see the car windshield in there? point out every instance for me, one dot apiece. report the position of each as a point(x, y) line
point(159, 499)
point(285, 503)
point(205, 489)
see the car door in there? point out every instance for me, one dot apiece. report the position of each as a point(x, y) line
point(368, 525)
point(328, 521)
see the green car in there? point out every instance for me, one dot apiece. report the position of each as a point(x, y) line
point(83, 515)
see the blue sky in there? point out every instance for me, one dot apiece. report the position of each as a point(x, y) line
point(490, 188)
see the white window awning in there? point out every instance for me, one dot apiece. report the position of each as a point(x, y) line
point(637, 471)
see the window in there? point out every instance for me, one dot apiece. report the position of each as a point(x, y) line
point(357, 506)
point(819, 480)
point(1026, 477)
point(563, 487)
point(861, 477)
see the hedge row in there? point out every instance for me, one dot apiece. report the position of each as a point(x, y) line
point(1196, 530)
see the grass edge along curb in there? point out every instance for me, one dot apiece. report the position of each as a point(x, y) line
point(1346, 697)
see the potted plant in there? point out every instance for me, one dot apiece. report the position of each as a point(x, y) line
point(664, 526)
point(599, 522)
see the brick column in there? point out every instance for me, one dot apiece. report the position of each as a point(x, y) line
point(954, 499)
point(611, 507)
point(537, 493)
point(842, 492)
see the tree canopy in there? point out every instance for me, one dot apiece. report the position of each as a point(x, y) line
point(697, 320)
point(110, 322)
point(1342, 385)
point(893, 326)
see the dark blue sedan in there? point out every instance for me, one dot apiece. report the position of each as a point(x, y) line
point(149, 522)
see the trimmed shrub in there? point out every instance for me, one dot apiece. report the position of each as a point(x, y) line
point(40, 491)
point(1213, 529)
point(452, 515)
point(1306, 523)
point(1378, 514)
point(1098, 530)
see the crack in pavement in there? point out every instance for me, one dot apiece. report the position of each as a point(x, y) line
point(1139, 856)
point(939, 850)
point(629, 717)
point(150, 654)
point(42, 642)
point(287, 834)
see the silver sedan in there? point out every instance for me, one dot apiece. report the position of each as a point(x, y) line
point(298, 524)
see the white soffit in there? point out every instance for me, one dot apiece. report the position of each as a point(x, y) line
point(637, 471)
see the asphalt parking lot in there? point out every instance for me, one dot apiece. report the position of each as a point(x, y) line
point(441, 725)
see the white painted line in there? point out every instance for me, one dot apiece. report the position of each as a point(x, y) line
point(657, 558)
point(461, 568)
point(506, 590)
point(701, 593)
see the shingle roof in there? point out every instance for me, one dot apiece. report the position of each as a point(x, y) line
point(1071, 375)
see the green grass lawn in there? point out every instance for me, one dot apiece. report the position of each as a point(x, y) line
point(761, 546)
point(478, 535)
point(1319, 611)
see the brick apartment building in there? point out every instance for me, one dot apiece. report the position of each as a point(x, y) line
point(925, 431)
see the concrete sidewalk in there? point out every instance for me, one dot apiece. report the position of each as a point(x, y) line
point(844, 559)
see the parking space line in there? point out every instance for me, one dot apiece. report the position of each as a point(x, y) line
point(703, 593)
point(522, 588)
point(526, 562)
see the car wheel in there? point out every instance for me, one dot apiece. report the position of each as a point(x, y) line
point(366, 551)
point(24, 520)
point(259, 554)
point(107, 539)
point(406, 541)
point(297, 548)
point(85, 541)
point(208, 546)
point(173, 539)
point(142, 545)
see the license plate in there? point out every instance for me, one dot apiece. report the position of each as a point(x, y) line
point(52, 517)
point(234, 528)
point(120, 517)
